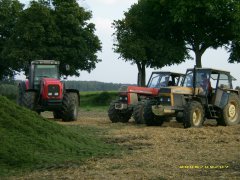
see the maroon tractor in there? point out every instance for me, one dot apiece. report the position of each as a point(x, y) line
point(131, 99)
point(43, 91)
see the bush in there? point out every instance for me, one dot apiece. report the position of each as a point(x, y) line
point(97, 98)
point(9, 90)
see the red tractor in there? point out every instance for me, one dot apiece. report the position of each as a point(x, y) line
point(43, 91)
point(132, 98)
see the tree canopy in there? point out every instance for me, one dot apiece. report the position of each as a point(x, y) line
point(9, 13)
point(206, 24)
point(146, 37)
point(155, 33)
point(57, 29)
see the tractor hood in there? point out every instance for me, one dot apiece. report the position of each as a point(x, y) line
point(180, 90)
point(138, 90)
point(51, 88)
point(50, 80)
point(176, 90)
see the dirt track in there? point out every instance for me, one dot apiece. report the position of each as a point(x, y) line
point(167, 152)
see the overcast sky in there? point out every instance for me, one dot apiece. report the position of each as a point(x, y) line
point(113, 69)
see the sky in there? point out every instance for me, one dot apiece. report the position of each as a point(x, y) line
point(115, 70)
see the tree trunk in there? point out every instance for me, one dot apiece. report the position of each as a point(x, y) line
point(198, 56)
point(141, 74)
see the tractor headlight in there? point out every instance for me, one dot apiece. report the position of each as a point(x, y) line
point(50, 94)
point(168, 99)
point(56, 94)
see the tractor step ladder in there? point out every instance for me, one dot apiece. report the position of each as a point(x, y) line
point(212, 111)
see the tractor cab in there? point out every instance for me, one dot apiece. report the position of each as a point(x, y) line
point(164, 79)
point(42, 69)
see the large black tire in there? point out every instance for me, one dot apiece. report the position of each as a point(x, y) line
point(70, 106)
point(150, 118)
point(116, 115)
point(138, 112)
point(29, 100)
point(179, 117)
point(230, 114)
point(193, 114)
point(20, 93)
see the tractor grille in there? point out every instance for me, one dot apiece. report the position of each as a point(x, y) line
point(53, 90)
point(164, 100)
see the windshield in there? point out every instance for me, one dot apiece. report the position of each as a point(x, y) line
point(48, 71)
point(202, 76)
point(158, 80)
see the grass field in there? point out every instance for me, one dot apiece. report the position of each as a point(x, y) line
point(167, 152)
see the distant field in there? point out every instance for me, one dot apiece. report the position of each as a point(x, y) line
point(97, 98)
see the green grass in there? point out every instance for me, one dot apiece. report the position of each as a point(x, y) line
point(97, 99)
point(30, 142)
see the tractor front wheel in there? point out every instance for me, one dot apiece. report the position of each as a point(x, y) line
point(29, 100)
point(70, 106)
point(193, 115)
point(116, 115)
point(138, 112)
point(20, 93)
point(230, 114)
point(150, 118)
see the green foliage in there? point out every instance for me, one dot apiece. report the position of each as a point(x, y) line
point(9, 12)
point(30, 142)
point(93, 99)
point(206, 24)
point(147, 36)
point(92, 86)
point(9, 90)
point(158, 33)
point(60, 31)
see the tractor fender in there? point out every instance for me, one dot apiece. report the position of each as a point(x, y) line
point(24, 85)
point(74, 91)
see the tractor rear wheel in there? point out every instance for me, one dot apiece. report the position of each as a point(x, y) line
point(230, 114)
point(29, 100)
point(150, 118)
point(20, 93)
point(179, 117)
point(116, 115)
point(70, 106)
point(193, 115)
point(138, 112)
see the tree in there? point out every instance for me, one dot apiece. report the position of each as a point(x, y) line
point(147, 38)
point(33, 38)
point(9, 13)
point(58, 30)
point(77, 45)
point(207, 24)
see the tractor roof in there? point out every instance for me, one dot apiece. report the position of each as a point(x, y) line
point(211, 69)
point(45, 62)
point(215, 71)
point(165, 72)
